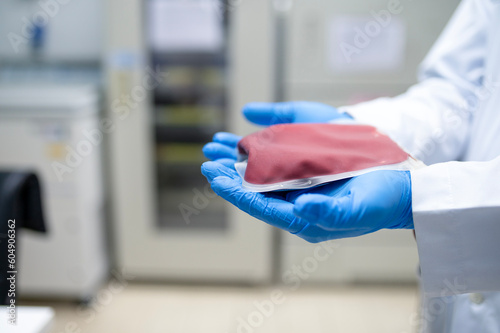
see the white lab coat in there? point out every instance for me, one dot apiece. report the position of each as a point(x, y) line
point(453, 114)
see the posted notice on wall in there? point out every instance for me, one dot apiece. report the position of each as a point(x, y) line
point(185, 25)
point(366, 43)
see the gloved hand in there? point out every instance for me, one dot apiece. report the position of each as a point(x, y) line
point(224, 144)
point(222, 147)
point(341, 209)
point(267, 114)
point(364, 204)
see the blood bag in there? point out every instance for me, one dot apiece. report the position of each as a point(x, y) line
point(299, 156)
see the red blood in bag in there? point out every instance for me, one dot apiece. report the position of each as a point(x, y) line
point(296, 151)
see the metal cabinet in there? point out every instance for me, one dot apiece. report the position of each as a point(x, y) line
point(169, 224)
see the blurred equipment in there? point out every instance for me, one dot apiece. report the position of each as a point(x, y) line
point(189, 48)
point(20, 207)
point(51, 31)
point(170, 223)
point(55, 131)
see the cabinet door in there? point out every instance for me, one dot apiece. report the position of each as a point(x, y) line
point(169, 223)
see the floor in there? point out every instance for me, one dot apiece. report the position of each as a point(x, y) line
point(164, 308)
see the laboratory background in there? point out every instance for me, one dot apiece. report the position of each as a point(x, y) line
point(105, 106)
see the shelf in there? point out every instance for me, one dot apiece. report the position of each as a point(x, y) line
point(187, 115)
point(180, 153)
point(186, 134)
point(190, 59)
point(196, 95)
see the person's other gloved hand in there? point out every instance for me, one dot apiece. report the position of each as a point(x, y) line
point(267, 114)
point(359, 205)
point(341, 209)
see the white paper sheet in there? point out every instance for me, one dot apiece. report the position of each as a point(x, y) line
point(185, 25)
point(357, 44)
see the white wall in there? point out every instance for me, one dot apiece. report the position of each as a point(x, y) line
point(74, 29)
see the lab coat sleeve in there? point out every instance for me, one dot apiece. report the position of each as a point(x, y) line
point(456, 212)
point(431, 120)
point(456, 205)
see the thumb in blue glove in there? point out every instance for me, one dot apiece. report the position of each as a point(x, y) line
point(360, 205)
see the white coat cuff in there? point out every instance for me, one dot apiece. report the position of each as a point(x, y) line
point(431, 193)
point(457, 244)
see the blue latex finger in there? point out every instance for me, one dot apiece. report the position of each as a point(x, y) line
point(215, 151)
point(276, 212)
point(315, 206)
point(315, 234)
point(228, 139)
point(266, 114)
point(329, 189)
point(227, 162)
point(329, 213)
point(212, 170)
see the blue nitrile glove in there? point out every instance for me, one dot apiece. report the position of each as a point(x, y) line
point(223, 146)
point(364, 204)
point(291, 112)
point(346, 208)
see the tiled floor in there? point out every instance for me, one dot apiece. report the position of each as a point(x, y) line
point(186, 309)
